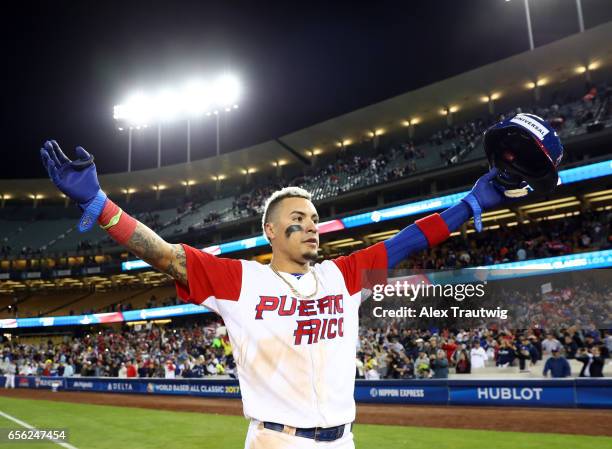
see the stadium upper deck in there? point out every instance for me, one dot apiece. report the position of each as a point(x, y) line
point(374, 168)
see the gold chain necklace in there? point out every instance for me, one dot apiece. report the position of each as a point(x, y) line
point(293, 289)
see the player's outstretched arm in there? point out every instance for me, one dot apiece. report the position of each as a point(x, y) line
point(424, 233)
point(79, 181)
point(436, 228)
point(166, 257)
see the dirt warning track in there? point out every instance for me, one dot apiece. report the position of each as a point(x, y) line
point(549, 420)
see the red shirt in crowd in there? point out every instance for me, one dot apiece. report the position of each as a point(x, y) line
point(131, 371)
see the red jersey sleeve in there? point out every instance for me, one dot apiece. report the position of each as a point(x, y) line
point(353, 267)
point(208, 276)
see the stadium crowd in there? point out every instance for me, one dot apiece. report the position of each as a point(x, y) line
point(392, 352)
point(138, 351)
point(538, 239)
point(589, 231)
point(395, 352)
point(453, 144)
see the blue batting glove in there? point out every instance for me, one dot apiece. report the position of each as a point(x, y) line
point(485, 195)
point(77, 179)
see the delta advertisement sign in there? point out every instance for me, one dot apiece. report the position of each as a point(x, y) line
point(581, 392)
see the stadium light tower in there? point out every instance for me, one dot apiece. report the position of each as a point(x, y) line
point(528, 19)
point(529, 26)
point(193, 100)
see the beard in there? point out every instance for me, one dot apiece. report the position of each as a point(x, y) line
point(310, 256)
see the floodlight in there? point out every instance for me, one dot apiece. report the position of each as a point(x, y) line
point(167, 104)
point(196, 98)
point(226, 91)
point(136, 110)
point(193, 99)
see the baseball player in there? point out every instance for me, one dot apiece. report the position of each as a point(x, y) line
point(293, 324)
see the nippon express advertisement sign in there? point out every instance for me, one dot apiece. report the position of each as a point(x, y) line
point(431, 392)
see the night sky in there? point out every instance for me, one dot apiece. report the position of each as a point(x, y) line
point(66, 63)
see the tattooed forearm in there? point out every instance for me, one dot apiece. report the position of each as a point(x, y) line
point(177, 268)
point(164, 256)
point(147, 245)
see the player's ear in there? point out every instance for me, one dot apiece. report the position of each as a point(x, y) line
point(269, 230)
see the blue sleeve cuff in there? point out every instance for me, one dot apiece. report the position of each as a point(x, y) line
point(92, 211)
point(471, 201)
point(411, 239)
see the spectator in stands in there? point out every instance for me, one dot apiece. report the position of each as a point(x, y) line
point(569, 346)
point(359, 367)
point(131, 370)
point(439, 364)
point(396, 366)
point(422, 367)
point(407, 367)
point(557, 365)
point(608, 341)
point(524, 352)
point(68, 370)
point(550, 344)
point(450, 346)
point(592, 362)
point(478, 355)
point(370, 368)
point(47, 367)
point(9, 369)
point(169, 369)
point(122, 371)
point(463, 363)
point(505, 354)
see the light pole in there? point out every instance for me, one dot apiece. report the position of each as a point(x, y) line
point(129, 149)
point(529, 31)
point(529, 26)
point(580, 18)
point(218, 135)
point(188, 141)
point(159, 137)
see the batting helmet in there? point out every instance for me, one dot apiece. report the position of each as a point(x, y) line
point(526, 151)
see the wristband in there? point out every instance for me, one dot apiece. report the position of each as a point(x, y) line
point(472, 201)
point(91, 211)
point(119, 224)
point(434, 228)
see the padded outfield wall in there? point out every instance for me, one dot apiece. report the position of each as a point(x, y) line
point(569, 393)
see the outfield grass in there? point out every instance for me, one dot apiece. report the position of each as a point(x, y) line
point(100, 426)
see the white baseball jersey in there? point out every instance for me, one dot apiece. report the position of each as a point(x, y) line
point(295, 357)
